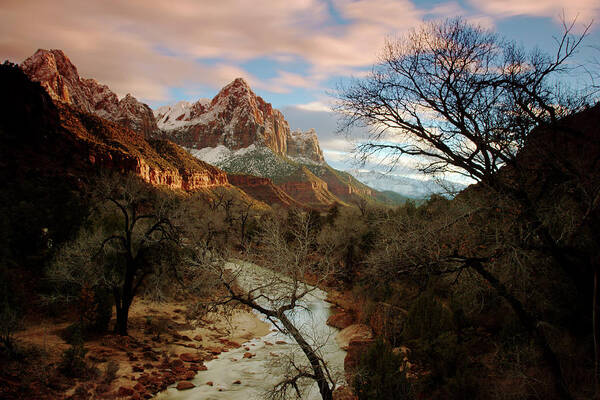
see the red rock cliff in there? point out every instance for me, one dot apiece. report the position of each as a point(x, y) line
point(53, 138)
point(305, 145)
point(235, 118)
point(158, 162)
point(304, 187)
point(262, 189)
point(57, 74)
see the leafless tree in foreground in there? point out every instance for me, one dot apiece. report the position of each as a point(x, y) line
point(460, 99)
point(289, 254)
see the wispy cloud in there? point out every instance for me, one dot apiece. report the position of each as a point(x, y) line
point(584, 9)
point(147, 46)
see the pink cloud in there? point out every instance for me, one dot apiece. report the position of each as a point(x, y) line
point(391, 13)
point(587, 9)
point(147, 46)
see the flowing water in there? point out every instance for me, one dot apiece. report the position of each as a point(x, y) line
point(261, 372)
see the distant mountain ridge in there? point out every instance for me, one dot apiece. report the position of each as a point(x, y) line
point(407, 187)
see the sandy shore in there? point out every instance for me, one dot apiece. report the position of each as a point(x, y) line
point(162, 347)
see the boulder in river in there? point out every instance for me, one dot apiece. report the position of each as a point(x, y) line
point(185, 385)
point(341, 320)
point(355, 332)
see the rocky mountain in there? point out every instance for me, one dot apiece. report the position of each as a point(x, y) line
point(57, 74)
point(49, 137)
point(234, 118)
point(304, 146)
point(263, 189)
point(242, 134)
point(236, 131)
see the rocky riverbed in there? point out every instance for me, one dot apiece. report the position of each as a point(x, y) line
point(249, 371)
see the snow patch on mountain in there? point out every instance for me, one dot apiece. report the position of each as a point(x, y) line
point(303, 147)
point(253, 160)
point(217, 155)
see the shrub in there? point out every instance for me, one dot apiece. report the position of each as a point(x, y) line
point(73, 363)
point(9, 323)
point(95, 312)
point(110, 372)
point(380, 374)
point(73, 333)
point(431, 333)
point(427, 319)
point(156, 327)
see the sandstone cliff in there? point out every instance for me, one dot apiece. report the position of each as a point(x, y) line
point(262, 189)
point(341, 184)
point(304, 146)
point(307, 188)
point(57, 74)
point(54, 138)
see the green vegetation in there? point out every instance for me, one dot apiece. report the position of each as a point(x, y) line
point(381, 374)
point(260, 162)
point(73, 363)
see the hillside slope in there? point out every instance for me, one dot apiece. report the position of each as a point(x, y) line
point(52, 138)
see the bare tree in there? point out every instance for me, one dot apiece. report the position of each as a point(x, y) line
point(131, 235)
point(462, 238)
point(244, 213)
point(290, 254)
point(460, 99)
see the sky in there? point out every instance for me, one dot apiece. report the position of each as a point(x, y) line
point(293, 53)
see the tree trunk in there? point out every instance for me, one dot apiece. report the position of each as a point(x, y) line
point(122, 318)
point(243, 231)
point(595, 329)
point(124, 299)
point(531, 325)
point(324, 389)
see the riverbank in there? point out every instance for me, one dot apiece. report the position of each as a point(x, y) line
point(162, 348)
point(254, 370)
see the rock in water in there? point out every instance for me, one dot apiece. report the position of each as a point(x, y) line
point(185, 385)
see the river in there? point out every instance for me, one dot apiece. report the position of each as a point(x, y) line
point(261, 372)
